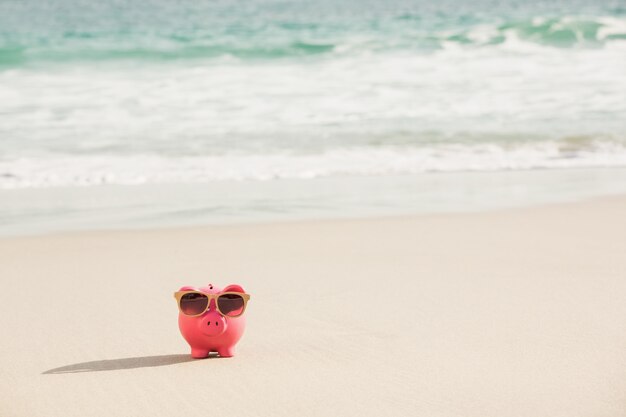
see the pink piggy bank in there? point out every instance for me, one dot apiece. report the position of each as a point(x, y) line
point(210, 319)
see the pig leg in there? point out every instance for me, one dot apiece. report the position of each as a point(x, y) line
point(226, 352)
point(199, 353)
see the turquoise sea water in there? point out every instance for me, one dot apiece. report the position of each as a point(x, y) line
point(210, 93)
point(62, 31)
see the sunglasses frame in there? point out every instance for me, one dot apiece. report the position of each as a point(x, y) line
point(179, 295)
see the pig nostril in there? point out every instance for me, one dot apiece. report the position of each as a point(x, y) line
point(216, 324)
point(209, 323)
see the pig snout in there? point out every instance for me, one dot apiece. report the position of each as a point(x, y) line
point(212, 324)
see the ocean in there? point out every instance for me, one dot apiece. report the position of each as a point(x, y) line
point(115, 114)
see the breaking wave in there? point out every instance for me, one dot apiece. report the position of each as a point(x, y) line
point(278, 40)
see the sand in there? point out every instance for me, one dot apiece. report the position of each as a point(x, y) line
point(517, 312)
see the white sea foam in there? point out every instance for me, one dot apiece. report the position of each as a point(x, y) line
point(351, 112)
point(517, 86)
point(94, 170)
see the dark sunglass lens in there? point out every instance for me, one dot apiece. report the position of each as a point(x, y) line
point(193, 303)
point(230, 304)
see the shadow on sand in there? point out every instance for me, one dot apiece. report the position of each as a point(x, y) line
point(123, 363)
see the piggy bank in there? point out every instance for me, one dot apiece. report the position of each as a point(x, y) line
point(211, 319)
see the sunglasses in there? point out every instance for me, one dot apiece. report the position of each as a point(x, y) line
point(195, 303)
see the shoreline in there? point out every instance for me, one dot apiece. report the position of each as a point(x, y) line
point(43, 211)
point(388, 218)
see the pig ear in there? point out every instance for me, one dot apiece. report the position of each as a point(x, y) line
point(187, 288)
point(233, 288)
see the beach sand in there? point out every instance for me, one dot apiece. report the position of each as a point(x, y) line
point(517, 312)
